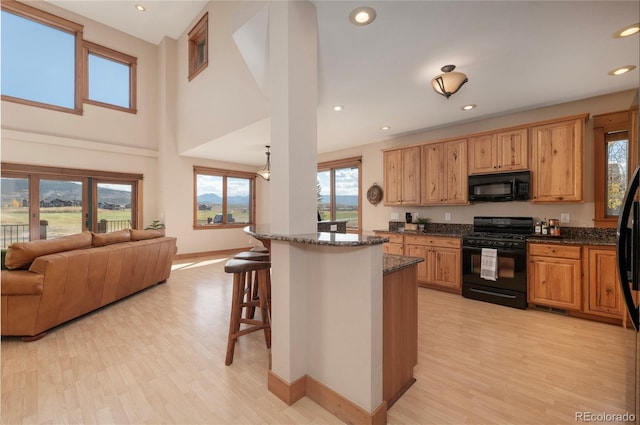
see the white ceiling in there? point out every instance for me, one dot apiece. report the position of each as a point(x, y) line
point(517, 55)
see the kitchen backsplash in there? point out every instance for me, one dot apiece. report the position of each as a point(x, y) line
point(462, 229)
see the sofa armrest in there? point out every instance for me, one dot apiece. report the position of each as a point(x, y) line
point(21, 282)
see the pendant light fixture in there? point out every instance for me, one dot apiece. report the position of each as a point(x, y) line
point(449, 81)
point(265, 173)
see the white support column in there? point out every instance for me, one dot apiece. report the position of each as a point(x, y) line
point(293, 85)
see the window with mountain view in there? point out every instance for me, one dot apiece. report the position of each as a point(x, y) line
point(223, 198)
point(338, 192)
point(42, 203)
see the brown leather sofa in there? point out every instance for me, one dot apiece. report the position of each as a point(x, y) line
point(50, 282)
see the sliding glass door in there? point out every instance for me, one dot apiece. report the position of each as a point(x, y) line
point(15, 210)
point(62, 207)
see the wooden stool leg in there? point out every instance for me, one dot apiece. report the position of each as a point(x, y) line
point(251, 290)
point(236, 313)
point(264, 305)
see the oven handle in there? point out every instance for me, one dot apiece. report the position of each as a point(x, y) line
point(495, 294)
point(500, 250)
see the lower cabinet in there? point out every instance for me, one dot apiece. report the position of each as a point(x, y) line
point(395, 245)
point(579, 279)
point(554, 276)
point(442, 266)
point(603, 295)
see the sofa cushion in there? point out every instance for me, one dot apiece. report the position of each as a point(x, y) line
point(21, 254)
point(102, 239)
point(140, 235)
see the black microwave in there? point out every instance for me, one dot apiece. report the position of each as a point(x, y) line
point(500, 187)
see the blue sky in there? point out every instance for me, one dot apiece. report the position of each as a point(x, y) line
point(38, 64)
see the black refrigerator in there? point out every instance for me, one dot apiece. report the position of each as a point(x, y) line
point(628, 256)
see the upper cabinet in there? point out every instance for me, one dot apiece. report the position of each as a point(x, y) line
point(556, 161)
point(497, 152)
point(444, 173)
point(402, 176)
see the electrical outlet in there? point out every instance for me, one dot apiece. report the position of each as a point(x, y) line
point(565, 218)
point(447, 216)
point(334, 227)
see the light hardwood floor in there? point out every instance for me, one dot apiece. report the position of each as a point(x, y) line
point(158, 357)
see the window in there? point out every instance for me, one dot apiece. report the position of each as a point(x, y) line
point(223, 198)
point(338, 190)
point(111, 78)
point(49, 202)
point(612, 165)
point(198, 47)
point(46, 63)
point(39, 51)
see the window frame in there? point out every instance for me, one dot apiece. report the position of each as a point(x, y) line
point(90, 179)
point(61, 24)
point(90, 48)
point(199, 33)
point(603, 124)
point(218, 172)
point(331, 166)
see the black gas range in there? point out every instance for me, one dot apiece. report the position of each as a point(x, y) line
point(494, 266)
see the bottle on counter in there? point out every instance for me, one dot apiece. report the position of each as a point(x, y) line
point(544, 227)
point(538, 228)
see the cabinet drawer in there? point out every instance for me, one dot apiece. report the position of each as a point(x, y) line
point(446, 242)
point(554, 251)
point(393, 237)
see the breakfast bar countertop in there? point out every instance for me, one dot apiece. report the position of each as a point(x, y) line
point(392, 263)
point(318, 238)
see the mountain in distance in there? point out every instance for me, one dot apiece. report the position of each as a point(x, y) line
point(213, 199)
point(348, 200)
point(18, 189)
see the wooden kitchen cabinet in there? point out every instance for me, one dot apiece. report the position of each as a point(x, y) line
point(554, 276)
point(402, 176)
point(556, 161)
point(603, 295)
point(498, 152)
point(442, 266)
point(395, 245)
point(444, 173)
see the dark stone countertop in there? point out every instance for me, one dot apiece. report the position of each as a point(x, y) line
point(392, 263)
point(318, 238)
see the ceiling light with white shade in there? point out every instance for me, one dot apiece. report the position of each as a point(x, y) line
point(449, 82)
point(265, 173)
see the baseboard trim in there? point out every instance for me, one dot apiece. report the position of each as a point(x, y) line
point(289, 393)
point(330, 400)
point(343, 408)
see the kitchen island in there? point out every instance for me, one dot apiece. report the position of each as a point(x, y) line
point(344, 328)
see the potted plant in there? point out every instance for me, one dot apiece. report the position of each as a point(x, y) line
point(422, 221)
point(156, 225)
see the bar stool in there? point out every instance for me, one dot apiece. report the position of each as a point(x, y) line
point(241, 269)
point(259, 249)
point(251, 288)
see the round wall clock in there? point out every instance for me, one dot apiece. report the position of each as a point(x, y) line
point(374, 194)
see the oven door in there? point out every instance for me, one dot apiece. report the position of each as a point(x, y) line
point(510, 286)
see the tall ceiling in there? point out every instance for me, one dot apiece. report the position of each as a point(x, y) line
point(517, 55)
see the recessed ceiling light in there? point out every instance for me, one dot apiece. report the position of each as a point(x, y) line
point(627, 31)
point(140, 7)
point(622, 70)
point(469, 107)
point(337, 108)
point(362, 15)
point(386, 127)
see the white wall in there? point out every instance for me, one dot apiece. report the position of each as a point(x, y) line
point(377, 217)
